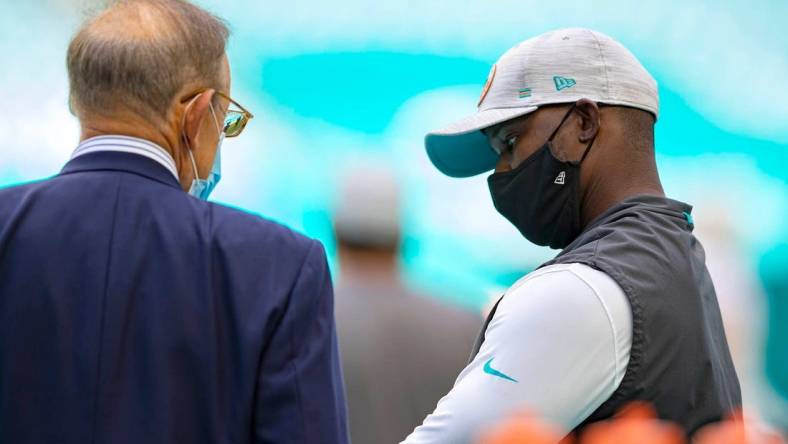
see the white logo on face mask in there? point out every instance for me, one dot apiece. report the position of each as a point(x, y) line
point(560, 178)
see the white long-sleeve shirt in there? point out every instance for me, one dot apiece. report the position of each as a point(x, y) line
point(557, 347)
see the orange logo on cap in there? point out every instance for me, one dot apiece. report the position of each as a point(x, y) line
point(487, 85)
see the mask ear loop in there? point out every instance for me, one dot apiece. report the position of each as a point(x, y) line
point(549, 142)
point(561, 123)
point(186, 140)
point(194, 165)
point(588, 148)
point(215, 120)
point(555, 131)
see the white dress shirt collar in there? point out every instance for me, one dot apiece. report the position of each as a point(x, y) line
point(126, 144)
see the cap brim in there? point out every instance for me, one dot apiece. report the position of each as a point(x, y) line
point(461, 149)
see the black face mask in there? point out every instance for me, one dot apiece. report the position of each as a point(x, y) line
point(541, 197)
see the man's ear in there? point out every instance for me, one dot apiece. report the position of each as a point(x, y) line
point(588, 111)
point(200, 106)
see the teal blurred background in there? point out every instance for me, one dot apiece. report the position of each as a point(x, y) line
point(335, 83)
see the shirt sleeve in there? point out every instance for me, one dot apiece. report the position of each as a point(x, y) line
point(557, 347)
point(301, 396)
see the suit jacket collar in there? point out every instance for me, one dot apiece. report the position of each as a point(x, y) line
point(120, 161)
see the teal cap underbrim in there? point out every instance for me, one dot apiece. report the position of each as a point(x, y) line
point(462, 150)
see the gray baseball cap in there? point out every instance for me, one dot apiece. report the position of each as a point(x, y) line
point(561, 66)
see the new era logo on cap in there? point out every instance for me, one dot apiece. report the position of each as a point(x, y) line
point(563, 82)
point(558, 67)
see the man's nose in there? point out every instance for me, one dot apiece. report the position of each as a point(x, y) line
point(504, 162)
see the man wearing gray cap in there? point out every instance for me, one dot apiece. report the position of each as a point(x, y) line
point(627, 310)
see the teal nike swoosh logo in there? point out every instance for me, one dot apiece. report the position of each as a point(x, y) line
point(491, 371)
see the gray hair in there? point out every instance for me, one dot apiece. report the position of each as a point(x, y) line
point(138, 54)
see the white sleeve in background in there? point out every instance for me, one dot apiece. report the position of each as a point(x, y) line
point(557, 347)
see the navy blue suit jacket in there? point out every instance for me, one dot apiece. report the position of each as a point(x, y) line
point(131, 312)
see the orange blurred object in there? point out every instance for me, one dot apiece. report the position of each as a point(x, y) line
point(736, 431)
point(635, 424)
point(523, 429)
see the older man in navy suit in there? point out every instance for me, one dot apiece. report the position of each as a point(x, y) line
point(132, 310)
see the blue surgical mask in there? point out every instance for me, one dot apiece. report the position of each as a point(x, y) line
point(202, 188)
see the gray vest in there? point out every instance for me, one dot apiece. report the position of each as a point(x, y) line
point(679, 361)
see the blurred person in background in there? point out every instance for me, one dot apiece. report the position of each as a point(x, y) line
point(627, 310)
point(401, 351)
point(132, 310)
point(741, 298)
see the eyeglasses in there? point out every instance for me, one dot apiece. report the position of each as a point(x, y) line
point(235, 120)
